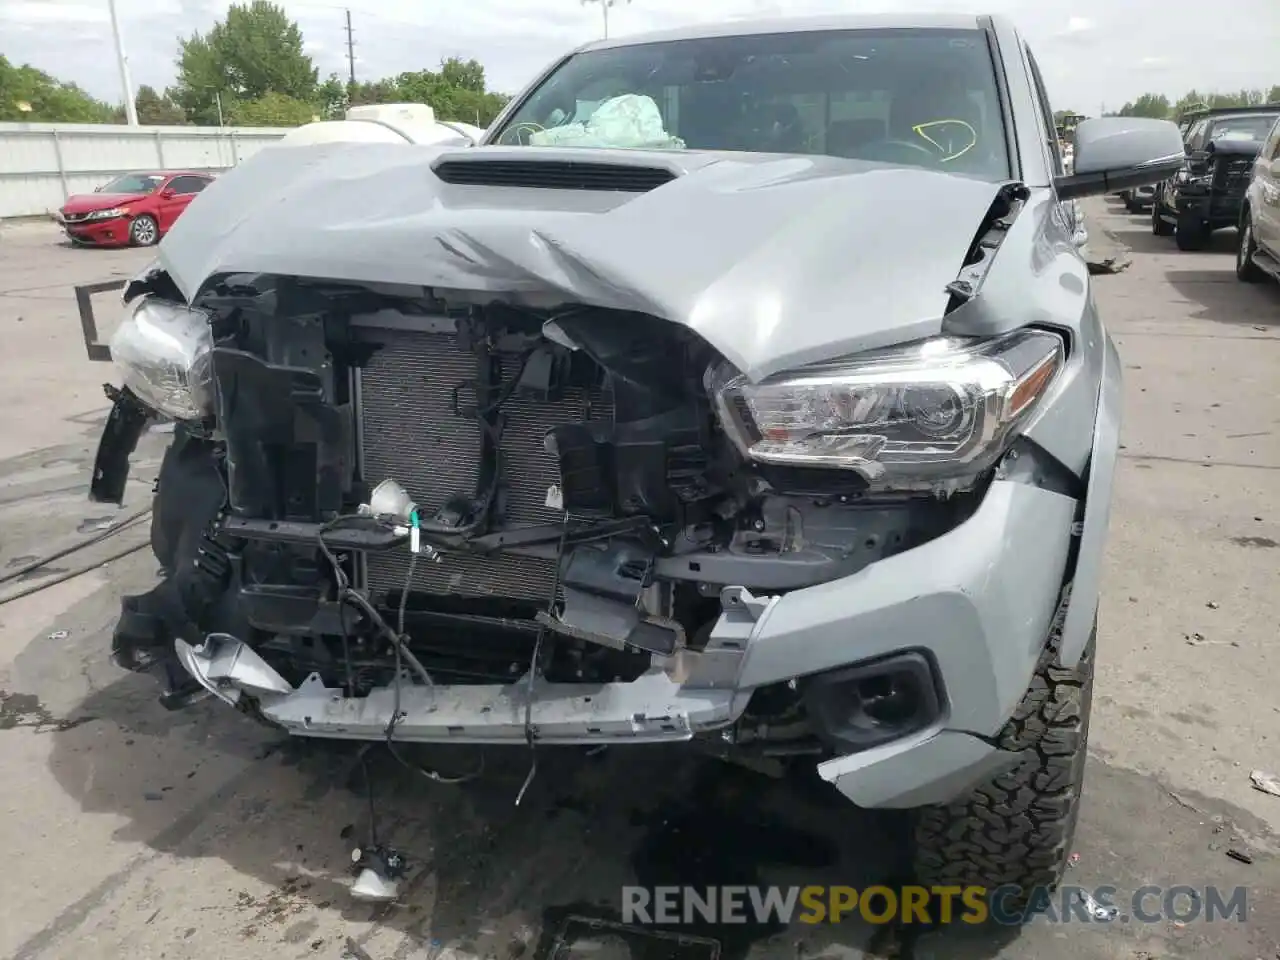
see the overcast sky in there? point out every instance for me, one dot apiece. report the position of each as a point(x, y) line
point(1093, 52)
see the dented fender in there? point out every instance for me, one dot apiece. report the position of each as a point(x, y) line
point(1087, 580)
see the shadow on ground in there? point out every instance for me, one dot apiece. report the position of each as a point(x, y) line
point(1219, 296)
point(1134, 232)
point(481, 868)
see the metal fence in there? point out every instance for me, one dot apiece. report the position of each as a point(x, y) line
point(41, 164)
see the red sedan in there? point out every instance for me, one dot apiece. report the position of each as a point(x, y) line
point(136, 209)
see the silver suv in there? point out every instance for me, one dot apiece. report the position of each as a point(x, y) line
point(1258, 249)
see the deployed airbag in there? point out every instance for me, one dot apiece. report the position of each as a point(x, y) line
point(626, 121)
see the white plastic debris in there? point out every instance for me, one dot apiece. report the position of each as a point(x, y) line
point(630, 121)
point(1096, 910)
point(59, 635)
point(1266, 782)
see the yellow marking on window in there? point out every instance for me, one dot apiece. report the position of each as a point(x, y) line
point(949, 150)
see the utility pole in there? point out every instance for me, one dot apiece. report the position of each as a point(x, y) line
point(130, 108)
point(351, 54)
point(604, 10)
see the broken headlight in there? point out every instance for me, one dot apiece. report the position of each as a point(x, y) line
point(935, 409)
point(165, 354)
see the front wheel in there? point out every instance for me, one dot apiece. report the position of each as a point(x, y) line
point(144, 231)
point(1017, 830)
point(1246, 247)
point(1192, 233)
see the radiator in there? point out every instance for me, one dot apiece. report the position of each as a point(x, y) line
point(410, 433)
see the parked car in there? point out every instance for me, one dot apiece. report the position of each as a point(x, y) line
point(1258, 250)
point(1207, 194)
point(135, 209)
point(775, 419)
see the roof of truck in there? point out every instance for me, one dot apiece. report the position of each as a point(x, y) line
point(1230, 111)
point(840, 21)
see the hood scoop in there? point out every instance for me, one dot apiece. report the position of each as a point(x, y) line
point(552, 174)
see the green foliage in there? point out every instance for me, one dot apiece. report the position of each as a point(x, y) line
point(156, 109)
point(1154, 105)
point(273, 110)
point(456, 91)
point(1157, 105)
point(28, 95)
point(332, 98)
point(255, 51)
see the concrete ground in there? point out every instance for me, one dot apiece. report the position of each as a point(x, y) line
point(135, 832)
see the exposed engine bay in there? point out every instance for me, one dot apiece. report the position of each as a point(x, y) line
point(378, 487)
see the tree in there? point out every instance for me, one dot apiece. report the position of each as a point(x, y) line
point(157, 110)
point(456, 92)
point(1154, 105)
point(1274, 95)
point(332, 97)
point(256, 51)
point(273, 110)
point(380, 91)
point(31, 95)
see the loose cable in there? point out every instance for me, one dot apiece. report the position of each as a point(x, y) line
point(530, 734)
point(72, 574)
point(44, 561)
point(346, 594)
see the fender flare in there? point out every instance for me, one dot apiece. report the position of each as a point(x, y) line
point(1086, 582)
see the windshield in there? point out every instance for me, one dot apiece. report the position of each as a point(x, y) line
point(923, 97)
point(134, 183)
point(1253, 127)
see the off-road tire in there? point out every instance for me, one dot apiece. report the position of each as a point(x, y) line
point(1018, 828)
point(1159, 228)
point(144, 231)
point(1246, 246)
point(1191, 234)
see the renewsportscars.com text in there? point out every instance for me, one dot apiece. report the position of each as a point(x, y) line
point(672, 906)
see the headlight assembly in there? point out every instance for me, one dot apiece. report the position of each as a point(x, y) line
point(934, 410)
point(165, 354)
point(106, 214)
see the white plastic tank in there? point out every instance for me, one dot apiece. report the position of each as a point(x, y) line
point(384, 123)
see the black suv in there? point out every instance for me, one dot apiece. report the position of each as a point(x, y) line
point(1207, 193)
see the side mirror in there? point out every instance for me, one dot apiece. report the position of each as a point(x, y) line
point(98, 188)
point(1112, 153)
point(168, 193)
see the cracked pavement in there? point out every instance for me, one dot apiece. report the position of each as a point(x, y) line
point(136, 832)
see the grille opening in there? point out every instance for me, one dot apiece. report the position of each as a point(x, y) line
point(553, 175)
point(410, 432)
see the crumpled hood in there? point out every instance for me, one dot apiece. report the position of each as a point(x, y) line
point(776, 261)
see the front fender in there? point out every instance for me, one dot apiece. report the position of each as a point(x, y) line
point(1085, 585)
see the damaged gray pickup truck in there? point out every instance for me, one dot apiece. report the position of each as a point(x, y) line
point(743, 388)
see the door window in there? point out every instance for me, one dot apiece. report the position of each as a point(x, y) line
point(1046, 113)
point(1271, 149)
point(1195, 136)
point(186, 185)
